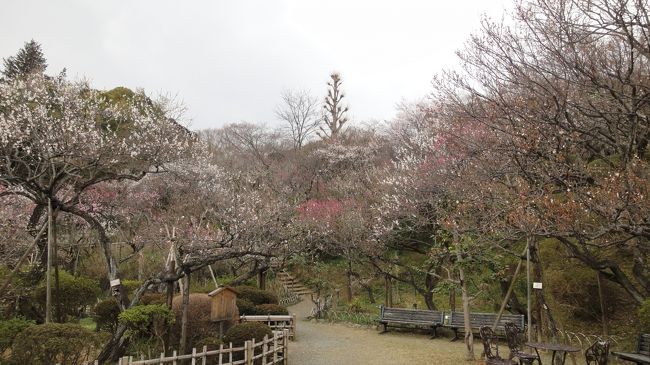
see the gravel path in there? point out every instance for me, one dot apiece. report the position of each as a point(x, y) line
point(339, 344)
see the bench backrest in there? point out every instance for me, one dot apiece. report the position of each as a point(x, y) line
point(403, 314)
point(643, 346)
point(478, 320)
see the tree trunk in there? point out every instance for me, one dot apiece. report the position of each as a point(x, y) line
point(603, 313)
point(261, 279)
point(349, 286)
point(542, 305)
point(469, 337)
point(55, 259)
point(48, 271)
point(452, 299)
point(388, 292)
point(371, 297)
point(186, 303)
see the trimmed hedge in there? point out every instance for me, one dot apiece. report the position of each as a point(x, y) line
point(198, 318)
point(47, 344)
point(211, 342)
point(105, 314)
point(256, 296)
point(75, 292)
point(240, 333)
point(11, 328)
point(246, 307)
point(271, 309)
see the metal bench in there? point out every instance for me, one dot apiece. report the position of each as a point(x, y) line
point(456, 322)
point(410, 317)
point(642, 354)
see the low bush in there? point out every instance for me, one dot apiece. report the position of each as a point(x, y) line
point(74, 293)
point(355, 306)
point(212, 343)
point(105, 314)
point(147, 326)
point(644, 317)
point(246, 307)
point(271, 309)
point(256, 296)
point(131, 285)
point(9, 329)
point(240, 333)
point(53, 343)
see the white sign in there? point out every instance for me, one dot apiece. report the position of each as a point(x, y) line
point(115, 282)
point(537, 285)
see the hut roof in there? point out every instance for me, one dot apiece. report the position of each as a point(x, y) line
point(220, 289)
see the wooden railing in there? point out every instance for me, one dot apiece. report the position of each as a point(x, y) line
point(276, 322)
point(271, 350)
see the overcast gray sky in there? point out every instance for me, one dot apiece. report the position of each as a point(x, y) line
point(230, 60)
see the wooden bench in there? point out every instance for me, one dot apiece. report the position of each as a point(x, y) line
point(276, 322)
point(642, 354)
point(456, 321)
point(410, 317)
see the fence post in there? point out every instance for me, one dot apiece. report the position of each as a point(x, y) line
point(285, 346)
point(293, 325)
point(248, 353)
point(204, 358)
point(265, 341)
point(193, 355)
point(275, 348)
point(174, 354)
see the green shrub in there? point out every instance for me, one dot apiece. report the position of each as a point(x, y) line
point(355, 306)
point(212, 343)
point(256, 296)
point(105, 314)
point(240, 333)
point(246, 307)
point(147, 326)
point(74, 293)
point(271, 309)
point(47, 344)
point(644, 317)
point(130, 285)
point(9, 329)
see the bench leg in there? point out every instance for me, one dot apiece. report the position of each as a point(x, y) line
point(434, 332)
point(455, 335)
point(385, 328)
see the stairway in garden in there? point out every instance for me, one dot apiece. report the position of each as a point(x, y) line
point(292, 284)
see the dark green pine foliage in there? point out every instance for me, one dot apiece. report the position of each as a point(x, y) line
point(28, 60)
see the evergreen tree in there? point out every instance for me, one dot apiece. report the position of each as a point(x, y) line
point(28, 60)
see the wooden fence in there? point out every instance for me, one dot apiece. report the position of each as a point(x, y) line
point(276, 322)
point(271, 350)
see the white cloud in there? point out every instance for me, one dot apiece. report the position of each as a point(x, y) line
point(229, 61)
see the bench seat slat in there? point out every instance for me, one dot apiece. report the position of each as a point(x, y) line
point(645, 359)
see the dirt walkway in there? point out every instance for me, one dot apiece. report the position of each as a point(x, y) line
point(340, 344)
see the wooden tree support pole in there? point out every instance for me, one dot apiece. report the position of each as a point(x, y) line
point(510, 289)
point(23, 257)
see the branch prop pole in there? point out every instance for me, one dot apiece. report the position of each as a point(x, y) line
point(24, 257)
point(510, 289)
